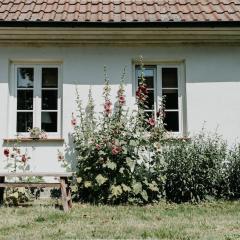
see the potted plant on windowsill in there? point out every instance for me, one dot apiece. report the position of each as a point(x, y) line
point(36, 133)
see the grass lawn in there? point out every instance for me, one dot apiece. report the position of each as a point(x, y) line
point(218, 220)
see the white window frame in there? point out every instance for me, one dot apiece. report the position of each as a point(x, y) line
point(37, 96)
point(158, 90)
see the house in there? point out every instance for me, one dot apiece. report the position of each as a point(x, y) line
point(191, 50)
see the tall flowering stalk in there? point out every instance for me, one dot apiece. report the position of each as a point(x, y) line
point(106, 95)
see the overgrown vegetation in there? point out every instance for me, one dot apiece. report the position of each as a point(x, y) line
point(124, 156)
point(115, 152)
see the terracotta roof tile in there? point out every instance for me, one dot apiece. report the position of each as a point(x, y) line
point(120, 10)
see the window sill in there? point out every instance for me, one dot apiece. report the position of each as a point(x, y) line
point(26, 139)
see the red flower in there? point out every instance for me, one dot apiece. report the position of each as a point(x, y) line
point(24, 158)
point(122, 100)
point(6, 152)
point(151, 122)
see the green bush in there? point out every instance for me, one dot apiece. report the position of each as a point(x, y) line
point(194, 169)
point(232, 174)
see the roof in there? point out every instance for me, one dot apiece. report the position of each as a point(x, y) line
point(119, 11)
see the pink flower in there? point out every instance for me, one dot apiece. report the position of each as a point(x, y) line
point(116, 150)
point(74, 120)
point(151, 122)
point(44, 135)
point(107, 103)
point(161, 114)
point(6, 152)
point(107, 107)
point(142, 92)
point(98, 147)
point(122, 100)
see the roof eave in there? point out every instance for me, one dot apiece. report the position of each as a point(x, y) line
point(136, 24)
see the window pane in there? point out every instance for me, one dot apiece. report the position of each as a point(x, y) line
point(25, 99)
point(25, 77)
point(24, 121)
point(148, 75)
point(169, 78)
point(49, 99)
point(49, 77)
point(171, 98)
point(148, 71)
point(49, 121)
point(172, 121)
point(150, 100)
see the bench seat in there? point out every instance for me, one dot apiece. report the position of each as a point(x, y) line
point(63, 184)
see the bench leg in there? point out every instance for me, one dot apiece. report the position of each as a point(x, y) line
point(66, 194)
point(2, 180)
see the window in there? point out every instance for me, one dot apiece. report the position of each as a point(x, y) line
point(37, 98)
point(165, 81)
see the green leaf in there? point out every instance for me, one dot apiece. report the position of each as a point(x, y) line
point(74, 188)
point(121, 170)
point(130, 163)
point(137, 188)
point(125, 188)
point(153, 187)
point(111, 165)
point(125, 150)
point(79, 180)
point(133, 143)
point(87, 168)
point(116, 191)
point(87, 184)
point(144, 195)
point(101, 153)
point(101, 179)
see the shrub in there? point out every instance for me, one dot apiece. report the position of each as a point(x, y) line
point(194, 169)
point(232, 174)
point(115, 151)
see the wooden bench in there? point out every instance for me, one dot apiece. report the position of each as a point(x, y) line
point(63, 184)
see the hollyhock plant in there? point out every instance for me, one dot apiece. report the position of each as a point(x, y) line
point(16, 159)
point(115, 151)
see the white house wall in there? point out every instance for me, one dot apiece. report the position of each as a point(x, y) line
point(212, 76)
